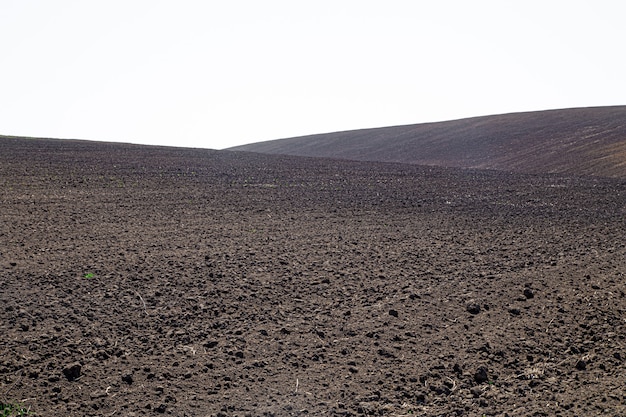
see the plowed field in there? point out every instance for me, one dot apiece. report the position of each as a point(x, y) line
point(138, 281)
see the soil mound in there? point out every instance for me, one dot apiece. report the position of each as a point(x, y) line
point(583, 141)
point(139, 281)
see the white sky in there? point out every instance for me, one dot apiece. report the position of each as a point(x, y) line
point(219, 73)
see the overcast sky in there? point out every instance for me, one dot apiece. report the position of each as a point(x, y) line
point(213, 74)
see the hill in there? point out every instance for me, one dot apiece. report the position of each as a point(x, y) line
point(582, 141)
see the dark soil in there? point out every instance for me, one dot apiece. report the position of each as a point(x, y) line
point(139, 281)
point(582, 141)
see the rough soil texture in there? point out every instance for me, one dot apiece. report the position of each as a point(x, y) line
point(583, 141)
point(140, 281)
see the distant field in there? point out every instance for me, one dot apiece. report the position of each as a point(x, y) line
point(583, 141)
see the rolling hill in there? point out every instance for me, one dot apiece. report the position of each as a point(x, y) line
point(580, 141)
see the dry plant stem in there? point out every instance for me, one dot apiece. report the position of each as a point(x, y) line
point(143, 302)
point(453, 382)
point(6, 393)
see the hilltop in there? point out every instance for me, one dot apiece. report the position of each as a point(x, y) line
point(581, 141)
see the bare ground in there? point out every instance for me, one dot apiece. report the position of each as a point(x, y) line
point(580, 141)
point(140, 281)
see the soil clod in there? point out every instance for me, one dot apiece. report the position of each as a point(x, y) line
point(481, 376)
point(72, 372)
point(473, 308)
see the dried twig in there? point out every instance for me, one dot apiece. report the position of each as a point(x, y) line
point(19, 377)
point(453, 382)
point(143, 302)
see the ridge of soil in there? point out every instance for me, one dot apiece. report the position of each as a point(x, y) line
point(580, 141)
point(140, 281)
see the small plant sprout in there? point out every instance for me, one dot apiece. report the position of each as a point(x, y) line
point(12, 409)
point(89, 275)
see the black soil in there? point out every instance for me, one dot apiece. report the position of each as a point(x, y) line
point(140, 281)
point(582, 141)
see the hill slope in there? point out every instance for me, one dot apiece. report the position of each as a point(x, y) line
point(583, 141)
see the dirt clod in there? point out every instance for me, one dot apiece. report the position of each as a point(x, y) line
point(128, 378)
point(481, 376)
point(473, 308)
point(72, 372)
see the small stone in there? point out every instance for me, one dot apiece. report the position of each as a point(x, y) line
point(528, 293)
